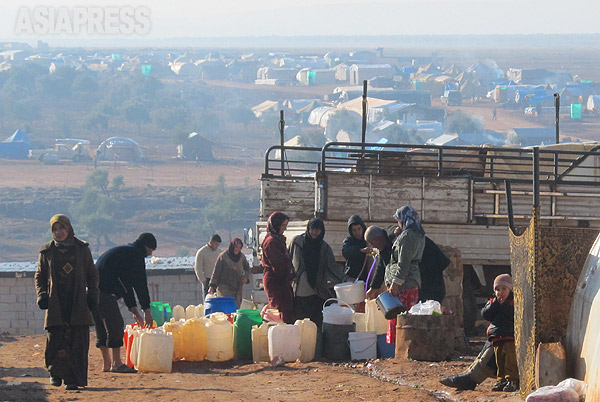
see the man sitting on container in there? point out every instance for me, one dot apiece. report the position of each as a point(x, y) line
point(121, 271)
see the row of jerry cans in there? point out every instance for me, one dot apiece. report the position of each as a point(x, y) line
point(191, 311)
point(272, 340)
point(205, 338)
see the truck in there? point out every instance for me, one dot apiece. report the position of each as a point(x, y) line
point(73, 149)
point(451, 98)
point(460, 193)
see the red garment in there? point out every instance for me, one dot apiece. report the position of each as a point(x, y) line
point(408, 297)
point(278, 275)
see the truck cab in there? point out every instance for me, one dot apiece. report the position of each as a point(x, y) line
point(451, 98)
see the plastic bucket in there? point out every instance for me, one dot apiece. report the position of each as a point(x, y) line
point(225, 305)
point(363, 345)
point(335, 341)
point(386, 350)
point(350, 292)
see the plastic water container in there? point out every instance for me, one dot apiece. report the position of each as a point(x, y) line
point(308, 339)
point(385, 350)
point(128, 337)
point(200, 310)
point(374, 317)
point(157, 309)
point(135, 347)
point(363, 345)
point(284, 342)
point(360, 321)
point(155, 351)
point(175, 328)
point(190, 312)
point(161, 312)
point(338, 313)
point(178, 313)
point(351, 292)
point(260, 341)
point(194, 340)
point(242, 332)
point(225, 305)
point(219, 338)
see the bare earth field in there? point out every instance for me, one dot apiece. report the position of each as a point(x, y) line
point(32, 173)
point(23, 378)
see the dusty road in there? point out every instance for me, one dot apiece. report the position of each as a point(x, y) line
point(23, 378)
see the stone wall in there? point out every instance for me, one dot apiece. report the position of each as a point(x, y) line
point(20, 315)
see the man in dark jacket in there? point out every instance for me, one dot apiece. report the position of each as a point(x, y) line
point(379, 239)
point(121, 270)
point(355, 249)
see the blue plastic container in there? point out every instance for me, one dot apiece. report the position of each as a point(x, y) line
point(225, 305)
point(386, 350)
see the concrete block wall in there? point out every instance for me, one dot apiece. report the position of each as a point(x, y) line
point(20, 315)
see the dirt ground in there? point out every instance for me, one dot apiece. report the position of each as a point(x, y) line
point(23, 378)
point(29, 173)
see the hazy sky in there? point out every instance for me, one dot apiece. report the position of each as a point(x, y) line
point(227, 18)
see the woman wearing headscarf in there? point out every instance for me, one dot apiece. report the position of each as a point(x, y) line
point(66, 281)
point(278, 269)
point(231, 272)
point(402, 274)
point(316, 272)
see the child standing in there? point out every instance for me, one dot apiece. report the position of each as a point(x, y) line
point(500, 312)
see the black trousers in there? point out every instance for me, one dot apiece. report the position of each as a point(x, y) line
point(309, 307)
point(109, 322)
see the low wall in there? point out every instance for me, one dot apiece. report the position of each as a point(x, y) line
point(20, 315)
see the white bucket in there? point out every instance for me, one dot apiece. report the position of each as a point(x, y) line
point(363, 345)
point(350, 292)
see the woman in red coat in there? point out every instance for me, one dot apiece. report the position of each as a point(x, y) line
point(278, 268)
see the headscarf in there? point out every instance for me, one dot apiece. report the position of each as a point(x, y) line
point(234, 257)
point(70, 240)
point(409, 218)
point(312, 250)
point(275, 221)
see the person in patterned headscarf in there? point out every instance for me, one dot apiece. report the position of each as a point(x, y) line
point(66, 282)
point(278, 268)
point(402, 274)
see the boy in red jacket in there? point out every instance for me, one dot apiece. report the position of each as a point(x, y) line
point(500, 312)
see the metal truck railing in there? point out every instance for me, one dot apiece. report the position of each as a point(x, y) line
point(484, 164)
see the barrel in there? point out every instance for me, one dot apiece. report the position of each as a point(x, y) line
point(225, 305)
point(335, 341)
point(242, 332)
point(427, 337)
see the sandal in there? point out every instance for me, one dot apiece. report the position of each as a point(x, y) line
point(123, 368)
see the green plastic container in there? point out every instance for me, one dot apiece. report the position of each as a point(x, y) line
point(242, 332)
point(160, 311)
